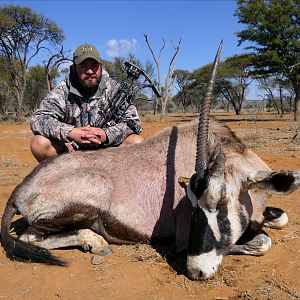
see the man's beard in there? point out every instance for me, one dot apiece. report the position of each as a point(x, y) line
point(88, 87)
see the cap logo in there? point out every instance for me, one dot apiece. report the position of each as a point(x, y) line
point(84, 48)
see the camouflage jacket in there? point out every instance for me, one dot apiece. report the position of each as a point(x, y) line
point(65, 108)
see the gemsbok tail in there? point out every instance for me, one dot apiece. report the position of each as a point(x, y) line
point(19, 250)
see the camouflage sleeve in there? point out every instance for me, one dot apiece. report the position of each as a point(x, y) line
point(130, 123)
point(48, 119)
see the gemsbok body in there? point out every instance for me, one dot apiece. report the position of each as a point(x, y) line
point(152, 191)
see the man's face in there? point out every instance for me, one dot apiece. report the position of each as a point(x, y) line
point(89, 73)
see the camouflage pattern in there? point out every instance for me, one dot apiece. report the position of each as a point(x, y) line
point(64, 108)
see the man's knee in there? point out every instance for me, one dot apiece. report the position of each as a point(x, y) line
point(133, 139)
point(39, 143)
point(42, 148)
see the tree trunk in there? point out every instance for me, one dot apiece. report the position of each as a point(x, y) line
point(49, 83)
point(296, 85)
point(281, 101)
point(20, 97)
point(275, 104)
point(155, 104)
point(291, 103)
point(297, 108)
point(237, 108)
point(237, 111)
point(163, 108)
point(20, 86)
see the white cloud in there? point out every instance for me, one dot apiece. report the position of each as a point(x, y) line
point(119, 48)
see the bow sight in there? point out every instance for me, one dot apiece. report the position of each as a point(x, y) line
point(124, 95)
point(134, 71)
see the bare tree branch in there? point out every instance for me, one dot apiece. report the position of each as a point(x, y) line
point(169, 82)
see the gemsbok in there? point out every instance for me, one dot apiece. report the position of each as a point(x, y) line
point(152, 191)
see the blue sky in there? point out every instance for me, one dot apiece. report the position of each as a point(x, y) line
point(117, 27)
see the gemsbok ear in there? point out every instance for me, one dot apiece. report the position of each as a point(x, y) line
point(281, 182)
point(183, 181)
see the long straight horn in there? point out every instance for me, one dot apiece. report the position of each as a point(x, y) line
point(202, 137)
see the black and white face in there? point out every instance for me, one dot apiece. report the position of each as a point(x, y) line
point(214, 230)
point(223, 208)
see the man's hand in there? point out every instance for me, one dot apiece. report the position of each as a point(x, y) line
point(94, 134)
point(88, 135)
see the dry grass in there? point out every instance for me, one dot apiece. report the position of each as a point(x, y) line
point(252, 137)
point(152, 272)
point(7, 162)
point(284, 287)
point(142, 252)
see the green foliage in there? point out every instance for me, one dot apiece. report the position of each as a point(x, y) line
point(182, 79)
point(22, 28)
point(236, 65)
point(36, 88)
point(191, 86)
point(273, 30)
point(6, 85)
point(201, 74)
point(24, 34)
point(233, 79)
point(114, 68)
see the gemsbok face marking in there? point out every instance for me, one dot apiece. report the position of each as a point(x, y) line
point(217, 230)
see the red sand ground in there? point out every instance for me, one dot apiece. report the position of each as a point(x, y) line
point(139, 272)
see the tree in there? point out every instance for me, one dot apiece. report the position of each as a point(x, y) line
point(224, 103)
point(36, 88)
point(234, 80)
point(269, 85)
point(165, 90)
point(196, 88)
point(273, 30)
point(6, 85)
point(115, 68)
point(52, 64)
point(182, 78)
point(23, 34)
point(278, 89)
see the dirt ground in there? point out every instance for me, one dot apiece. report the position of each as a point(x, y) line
point(140, 272)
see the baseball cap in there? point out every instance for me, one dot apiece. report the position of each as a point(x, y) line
point(85, 51)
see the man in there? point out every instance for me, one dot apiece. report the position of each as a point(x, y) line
point(67, 118)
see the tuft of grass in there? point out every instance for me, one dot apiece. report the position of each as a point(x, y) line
point(6, 162)
point(142, 252)
point(252, 136)
point(284, 287)
point(265, 291)
point(149, 119)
